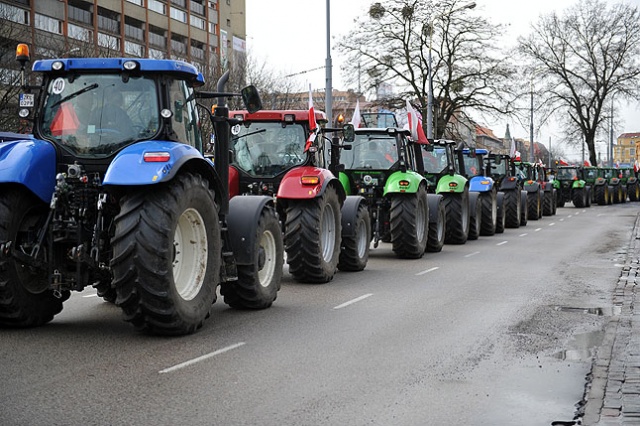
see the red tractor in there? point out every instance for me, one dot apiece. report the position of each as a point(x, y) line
point(278, 153)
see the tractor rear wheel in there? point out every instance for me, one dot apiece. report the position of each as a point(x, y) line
point(354, 254)
point(312, 237)
point(489, 206)
point(634, 191)
point(475, 221)
point(437, 228)
point(578, 197)
point(25, 297)
point(258, 283)
point(166, 256)
point(524, 208)
point(533, 205)
point(602, 194)
point(501, 221)
point(548, 202)
point(458, 220)
point(512, 208)
point(409, 224)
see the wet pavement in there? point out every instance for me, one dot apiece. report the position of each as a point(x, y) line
point(613, 394)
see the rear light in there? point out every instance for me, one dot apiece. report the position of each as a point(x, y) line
point(453, 184)
point(511, 179)
point(309, 180)
point(156, 157)
point(404, 185)
point(484, 182)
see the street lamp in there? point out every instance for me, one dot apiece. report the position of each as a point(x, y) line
point(430, 75)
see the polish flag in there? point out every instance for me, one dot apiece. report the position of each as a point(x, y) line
point(512, 151)
point(313, 126)
point(563, 162)
point(415, 125)
point(357, 118)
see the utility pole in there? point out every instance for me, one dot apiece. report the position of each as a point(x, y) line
point(328, 89)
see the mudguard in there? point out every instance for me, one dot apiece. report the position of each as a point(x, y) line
point(600, 181)
point(29, 162)
point(242, 221)
point(632, 180)
point(614, 181)
point(344, 180)
point(392, 184)
point(434, 201)
point(578, 184)
point(130, 168)
point(451, 183)
point(291, 186)
point(480, 184)
point(531, 186)
point(349, 212)
point(508, 183)
point(547, 186)
point(557, 185)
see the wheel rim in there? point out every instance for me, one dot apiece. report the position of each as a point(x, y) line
point(420, 219)
point(328, 233)
point(268, 258)
point(190, 252)
point(363, 239)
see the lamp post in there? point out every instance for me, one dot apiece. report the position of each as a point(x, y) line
point(328, 89)
point(430, 74)
point(531, 126)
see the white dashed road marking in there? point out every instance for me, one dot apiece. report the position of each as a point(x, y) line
point(351, 302)
point(200, 358)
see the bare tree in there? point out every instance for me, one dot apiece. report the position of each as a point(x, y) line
point(392, 44)
point(584, 59)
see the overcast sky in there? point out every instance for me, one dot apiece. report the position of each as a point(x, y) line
point(290, 35)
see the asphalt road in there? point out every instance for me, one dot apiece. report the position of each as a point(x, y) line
point(498, 331)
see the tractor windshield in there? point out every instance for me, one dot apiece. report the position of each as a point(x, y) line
point(435, 161)
point(371, 151)
point(95, 115)
point(567, 174)
point(268, 148)
point(471, 165)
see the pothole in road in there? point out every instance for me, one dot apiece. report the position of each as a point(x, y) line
point(581, 347)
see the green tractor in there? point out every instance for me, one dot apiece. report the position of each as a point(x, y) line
point(514, 198)
point(527, 174)
point(630, 181)
point(379, 167)
point(608, 186)
point(437, 163)
point(571, 188)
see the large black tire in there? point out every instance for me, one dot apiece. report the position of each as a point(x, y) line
point(512, 208)
point(633, 190)
point(354, 253)
point(524, 208)
point(167, 255)
point(548, 203)
point(409, 224)
point(258, 283)
point(579, 197)
point(602, 194)
point(437, 223)
point(588, 196)
point(25, 297)
point(501, 221)
point(456, 206)
point(489, 205)
point(475, 221)
point(533, 205)
point(312, 237)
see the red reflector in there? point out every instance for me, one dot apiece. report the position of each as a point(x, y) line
point(404, 183)
point(156, 157)
point(309, 180)
point(511, 179)
point(453, 185)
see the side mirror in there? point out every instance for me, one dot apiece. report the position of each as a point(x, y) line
point(251, 99)
point(349, 133)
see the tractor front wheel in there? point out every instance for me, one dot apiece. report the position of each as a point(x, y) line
point(312, 237)
point(409, 224)
point(166, 256)
point(25, 297)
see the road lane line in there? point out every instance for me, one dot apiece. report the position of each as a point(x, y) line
point(472, 254)
point(577, 213)
point(501, 243)
point(537, 229)
point(201, 358)
point(523, 235)
point(351, 302)
point(552, 223)
point(569, 216)
point(428, 270)
point(562, 220)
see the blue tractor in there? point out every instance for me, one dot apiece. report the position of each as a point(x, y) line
point(116, 190)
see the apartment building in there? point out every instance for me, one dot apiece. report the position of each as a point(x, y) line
point(206, 33)
point(627, 149)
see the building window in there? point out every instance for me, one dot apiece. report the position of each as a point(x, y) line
point(156, 54)
point(133, 29)
point(138, 2)
point(14, 14)
point(228, 22)
point(48, 24)
point(181, 3)
point(632, 151)
point(135, 49)
point(79, 33)
point(196, 7)
point(196, 22)
point(108, 41)
point(79, 15)
point(179, 15)
point(213, 28)
point(157, 6)
point(108, 24)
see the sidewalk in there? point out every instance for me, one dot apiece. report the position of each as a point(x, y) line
point(613, 396)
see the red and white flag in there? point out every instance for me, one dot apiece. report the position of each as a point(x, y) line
point(357, 118)
point(415, 125)
point(563, 162)
point(313, 126)
point(512, 151)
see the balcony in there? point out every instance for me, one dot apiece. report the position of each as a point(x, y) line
point(196, 7)
point(108, 24)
